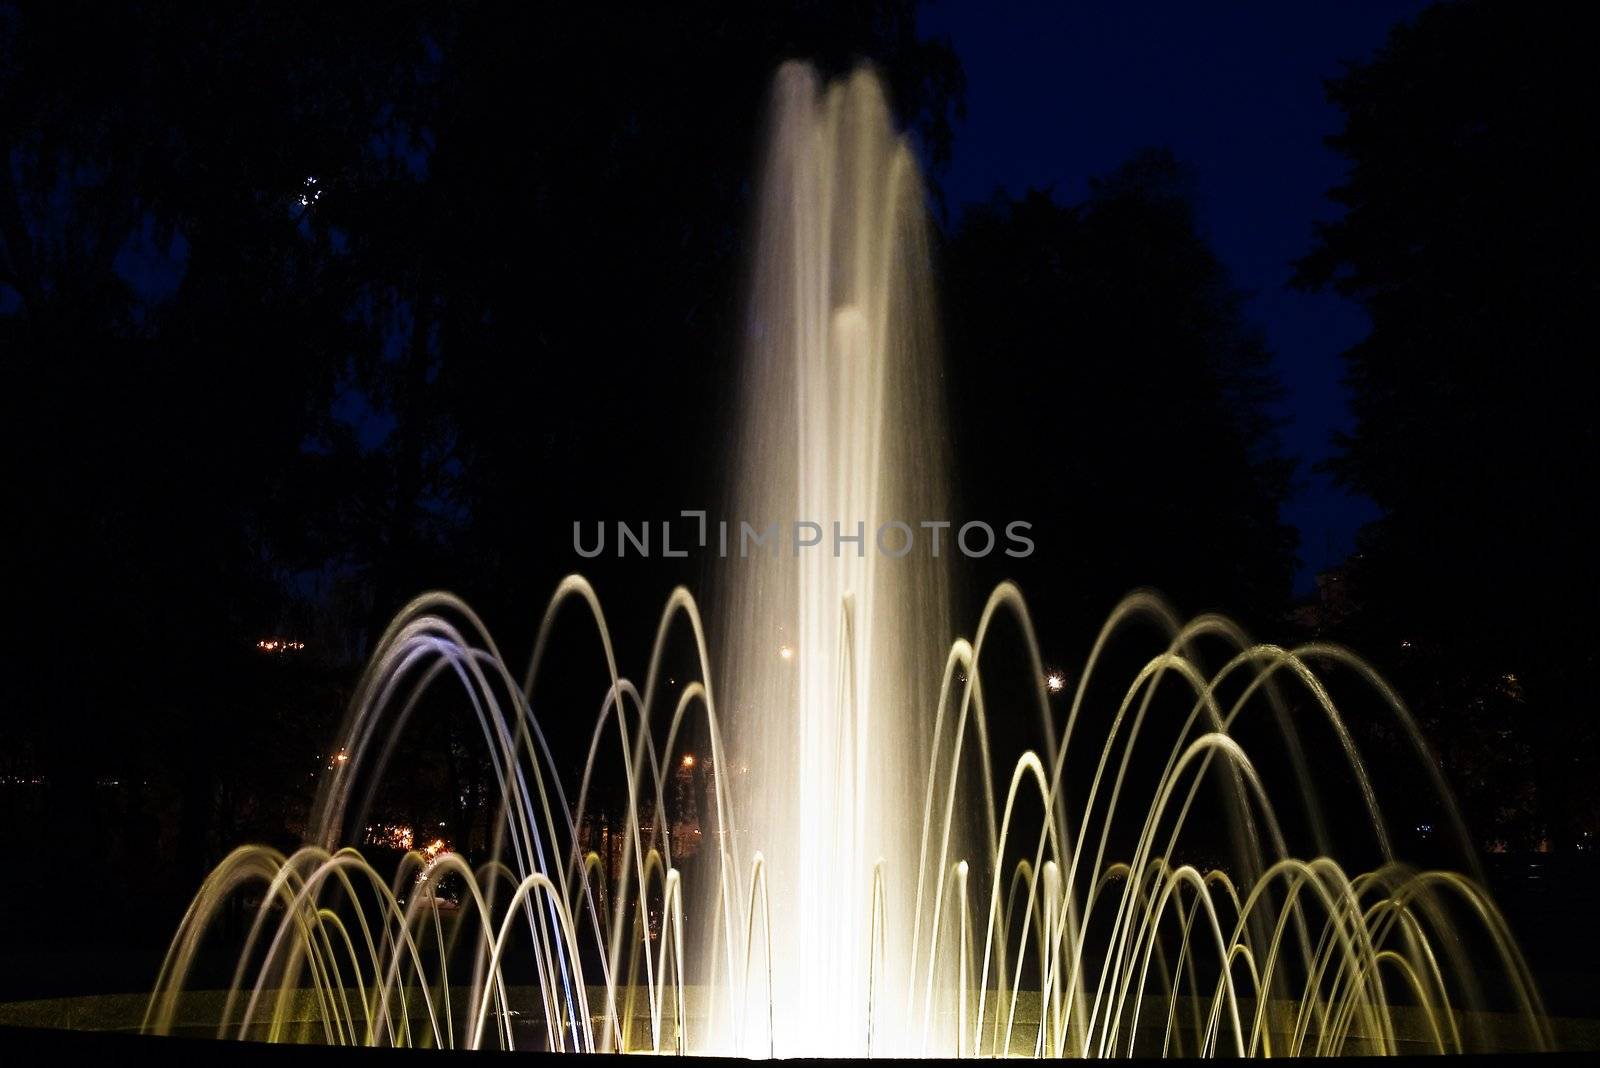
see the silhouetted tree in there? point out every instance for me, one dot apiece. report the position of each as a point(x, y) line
point(174, 319)
point(1109, 389)
point(1468, 235)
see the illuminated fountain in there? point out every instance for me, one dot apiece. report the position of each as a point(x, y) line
point(877, 880)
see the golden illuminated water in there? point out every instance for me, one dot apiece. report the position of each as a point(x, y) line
point(872, 881)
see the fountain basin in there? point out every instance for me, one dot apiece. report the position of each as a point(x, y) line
point(56, 1022)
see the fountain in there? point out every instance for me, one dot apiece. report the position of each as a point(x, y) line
point(874, 883)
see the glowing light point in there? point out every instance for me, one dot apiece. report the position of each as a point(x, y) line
point(785, 651)
point(1055, 682)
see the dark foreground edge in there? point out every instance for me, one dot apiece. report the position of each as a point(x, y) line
point(33, 1045)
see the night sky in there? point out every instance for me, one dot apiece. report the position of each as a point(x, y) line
point(1057, 94)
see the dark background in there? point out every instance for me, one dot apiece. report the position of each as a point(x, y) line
point(307, 308)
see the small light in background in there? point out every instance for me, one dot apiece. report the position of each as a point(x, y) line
point(1055, 682)
point(688, 760)
point(785, 651)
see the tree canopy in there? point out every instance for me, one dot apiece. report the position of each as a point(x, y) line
point(1468, 236)
point(1113, 390)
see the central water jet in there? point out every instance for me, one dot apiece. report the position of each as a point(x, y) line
point(833, 654)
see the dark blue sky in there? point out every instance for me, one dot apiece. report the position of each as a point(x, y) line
point(1060, 92)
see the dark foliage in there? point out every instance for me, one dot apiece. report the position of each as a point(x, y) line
point(1112, 393)
point(1469, 238)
